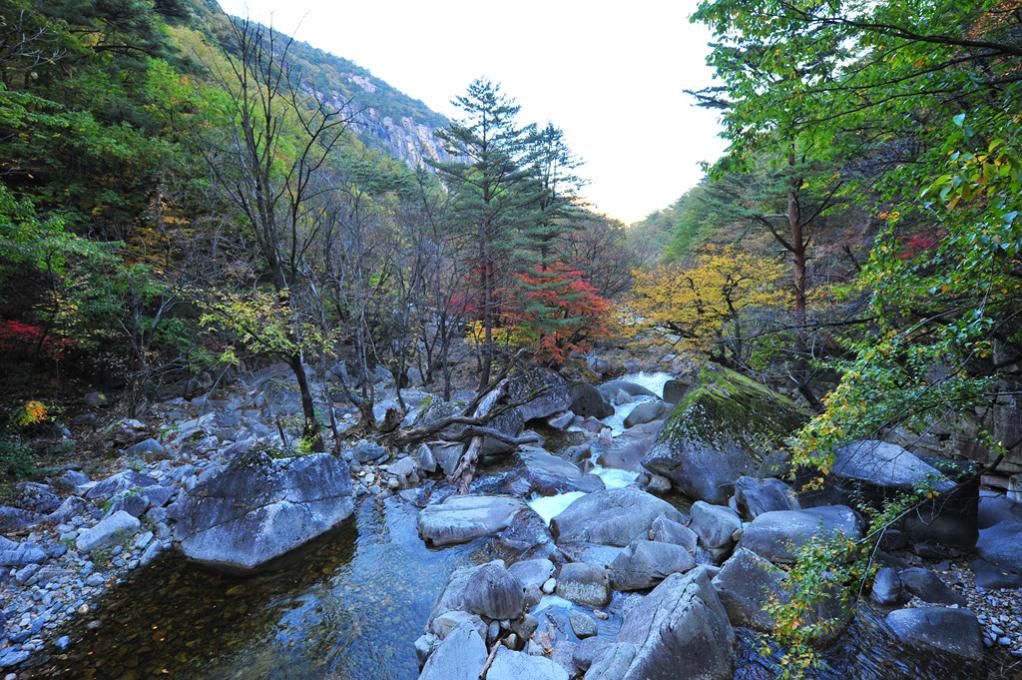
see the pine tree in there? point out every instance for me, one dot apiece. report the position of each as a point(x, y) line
point(491, 190)
point(546, 287)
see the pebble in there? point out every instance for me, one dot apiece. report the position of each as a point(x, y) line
point(549, 585)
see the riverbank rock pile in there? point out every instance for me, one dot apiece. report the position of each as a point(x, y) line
point(636, 532)
point(637, 583)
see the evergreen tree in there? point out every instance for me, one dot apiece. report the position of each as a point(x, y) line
point(492, 192)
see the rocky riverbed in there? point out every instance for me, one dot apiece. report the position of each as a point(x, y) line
point(633, 516)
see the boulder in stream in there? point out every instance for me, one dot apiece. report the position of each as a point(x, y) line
point(489, 590)
point(944, 629)
point(777, 535)
point(680, 631)
point(460, 519)
point(719, 431)
point(611, 517)
point(260, 508)
point(460, 656)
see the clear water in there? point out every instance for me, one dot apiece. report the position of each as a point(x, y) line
point(349, 609)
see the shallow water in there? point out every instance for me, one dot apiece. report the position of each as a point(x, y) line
point(349, 609)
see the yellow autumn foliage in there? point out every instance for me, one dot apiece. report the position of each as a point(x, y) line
point(702, 306)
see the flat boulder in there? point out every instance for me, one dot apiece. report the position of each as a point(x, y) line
point(259, 508)
point(111, 530)
point(115, 484)
point(779, 534)
point(680, 631)
point(646, 412)
point(876, 471)
point(927, 629)
point(721, 430)
point(611, 517)
point(612, 388)
point(643, 564)
point(460, 519)
point(548, 474)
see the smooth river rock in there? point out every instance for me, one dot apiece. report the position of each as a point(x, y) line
point(954, 631)
point(459, 519)
point(611, 517)
point(778, 535)
point(259, 508)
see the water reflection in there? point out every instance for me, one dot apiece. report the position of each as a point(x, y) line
point(349, 609)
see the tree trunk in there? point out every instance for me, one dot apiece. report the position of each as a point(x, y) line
point(310, 431)
point(800, 366)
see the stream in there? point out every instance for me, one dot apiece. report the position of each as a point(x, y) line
point(351, 606)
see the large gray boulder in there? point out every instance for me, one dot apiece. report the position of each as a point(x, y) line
point(885, 465)
point(539, 393)
point(625, 451)
point(260, 508)
point(461, 656)
point(460, 519)
point(876, 471)
point(668, 531)
point(680, 631)
point(111, 530)
point(995, 508)
point(489, 590)
point(928, 587)
point(643, 564)
point(778, 535)
point(611, 517)
point(721, 430)
point(745, 584)
point(944, 629)
point(509, 665)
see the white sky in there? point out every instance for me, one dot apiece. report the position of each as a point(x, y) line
point(610, 73)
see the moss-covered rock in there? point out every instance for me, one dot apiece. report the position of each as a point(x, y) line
point(724, 427)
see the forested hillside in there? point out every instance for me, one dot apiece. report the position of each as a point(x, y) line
point(261, 313)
